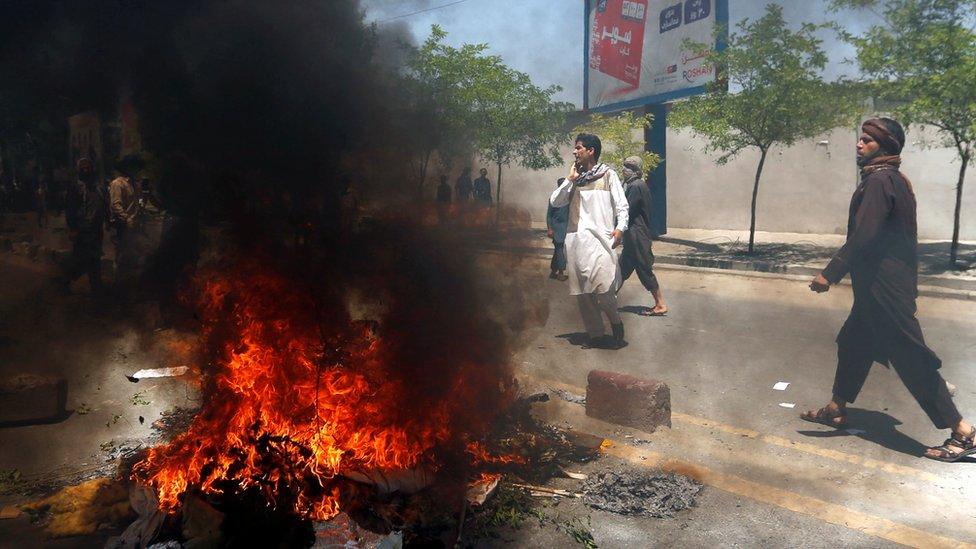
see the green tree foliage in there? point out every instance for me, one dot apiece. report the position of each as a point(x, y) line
point(617, 135)
point(437, 76)
point(493, 109)
point(778, 95)
point(923, 59)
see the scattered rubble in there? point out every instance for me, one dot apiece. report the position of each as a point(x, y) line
point(80, 510)
point(568, 396)
point(147, 373)
point(637, 492)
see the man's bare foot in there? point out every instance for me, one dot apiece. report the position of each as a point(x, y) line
point(659, 309)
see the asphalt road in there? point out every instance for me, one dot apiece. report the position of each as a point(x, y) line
point(726, 342)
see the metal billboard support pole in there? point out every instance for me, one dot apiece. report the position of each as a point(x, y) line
point(656, 141)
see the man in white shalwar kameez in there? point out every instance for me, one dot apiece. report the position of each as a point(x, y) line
point(597, 220)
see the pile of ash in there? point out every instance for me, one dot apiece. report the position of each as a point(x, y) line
point(639, 492)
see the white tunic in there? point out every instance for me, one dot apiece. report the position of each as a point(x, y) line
point(591, 262)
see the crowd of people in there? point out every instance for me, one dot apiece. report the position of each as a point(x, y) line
point(592, 213)
point(465, 190)
point(91, 207)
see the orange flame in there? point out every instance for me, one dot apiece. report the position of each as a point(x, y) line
point(298, 397)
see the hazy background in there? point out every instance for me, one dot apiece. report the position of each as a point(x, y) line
point(544, 38)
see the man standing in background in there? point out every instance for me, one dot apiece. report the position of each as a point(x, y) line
point(123, 214)
point(463, 187)
point(556, 219)
point(482, 189)
point(84, 213)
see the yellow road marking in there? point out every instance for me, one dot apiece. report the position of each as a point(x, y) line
point(805, 505)
point(806, 447)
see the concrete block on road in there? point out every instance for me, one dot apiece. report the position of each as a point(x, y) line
point(628, 400)
point(32, 399)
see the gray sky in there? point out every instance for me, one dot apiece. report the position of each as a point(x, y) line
point(544, 38)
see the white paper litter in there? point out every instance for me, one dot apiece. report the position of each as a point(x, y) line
point(781, 385)
point(787, 405)
point(160, 372)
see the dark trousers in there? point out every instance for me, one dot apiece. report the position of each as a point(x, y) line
point(911, 362)
point(85, 258)
point(637, 256)
point(126, 262)
point(558, 263)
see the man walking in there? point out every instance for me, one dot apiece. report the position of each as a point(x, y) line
point(556, 219)
point(84, 211)
point(595, 197)
point(482, 189)
point(637, 254)
point(881, 255)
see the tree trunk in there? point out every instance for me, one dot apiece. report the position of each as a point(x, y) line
point(423, 175)
point(498, 196)
point(755, 194)
point(954, 248)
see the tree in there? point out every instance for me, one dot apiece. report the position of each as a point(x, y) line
point(923, 59)
point(513, 120)
point(472, 101)
point(435, 104)
point(617, 135)
point(779, 95)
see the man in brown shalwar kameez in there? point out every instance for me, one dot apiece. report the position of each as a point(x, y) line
point(881, 256)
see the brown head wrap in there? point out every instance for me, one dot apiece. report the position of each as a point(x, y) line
point(880, 132)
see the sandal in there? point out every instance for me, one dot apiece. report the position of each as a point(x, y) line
point(947, 455)
point(826, 416)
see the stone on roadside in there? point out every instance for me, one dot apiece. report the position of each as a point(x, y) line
point(628, 400)
point(29, 398)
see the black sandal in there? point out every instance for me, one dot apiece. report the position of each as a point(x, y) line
point(826, 416)
point(965, 442)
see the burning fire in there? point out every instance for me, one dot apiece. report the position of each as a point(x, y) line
point(301, 395)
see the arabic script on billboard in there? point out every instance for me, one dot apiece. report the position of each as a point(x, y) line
point(636, 52)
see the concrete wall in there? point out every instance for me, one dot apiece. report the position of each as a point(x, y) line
point(805, 188)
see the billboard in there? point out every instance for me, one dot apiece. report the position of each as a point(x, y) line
point(634, 55)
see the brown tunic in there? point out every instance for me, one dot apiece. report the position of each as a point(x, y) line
point(881, 256)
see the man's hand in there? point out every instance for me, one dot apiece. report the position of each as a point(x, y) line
point(573, 173)
point(819, 284)
point(550, 233)
point(618, 236)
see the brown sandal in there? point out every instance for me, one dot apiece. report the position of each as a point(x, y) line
point(965, 442)
point(826, 416)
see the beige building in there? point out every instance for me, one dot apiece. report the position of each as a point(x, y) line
point(805, 188)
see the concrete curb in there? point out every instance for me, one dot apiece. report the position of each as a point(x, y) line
point(928, 286)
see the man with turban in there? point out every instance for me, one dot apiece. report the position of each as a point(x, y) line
point(637, 254)
point(85, 210)
point(881, 256)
